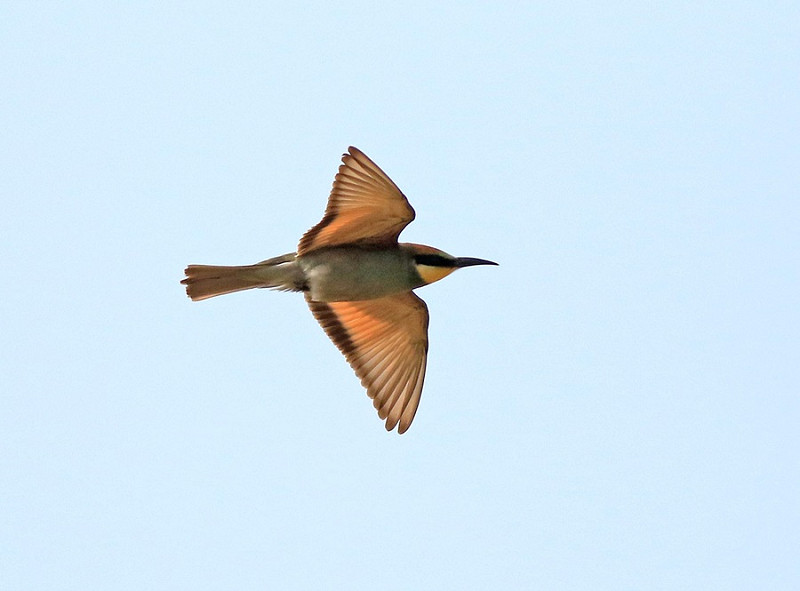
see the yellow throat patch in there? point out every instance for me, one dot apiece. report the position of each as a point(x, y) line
point(430, 273)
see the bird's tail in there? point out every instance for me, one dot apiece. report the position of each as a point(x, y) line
point(207, 281)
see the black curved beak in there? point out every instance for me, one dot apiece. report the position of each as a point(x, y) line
point(470, 262)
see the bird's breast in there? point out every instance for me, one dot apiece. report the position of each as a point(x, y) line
point(353, 273)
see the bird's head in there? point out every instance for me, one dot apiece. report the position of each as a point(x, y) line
point(433, 264)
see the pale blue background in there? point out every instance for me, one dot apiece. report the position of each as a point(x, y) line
point(614, 407)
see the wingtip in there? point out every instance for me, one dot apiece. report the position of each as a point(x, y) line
point(357, 155)
point(352, 152)
point(401, 428)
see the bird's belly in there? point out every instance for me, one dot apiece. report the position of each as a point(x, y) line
point(352, 274)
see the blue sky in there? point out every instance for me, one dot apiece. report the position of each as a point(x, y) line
point(614, 407)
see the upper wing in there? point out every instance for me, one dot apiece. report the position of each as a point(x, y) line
point(386, 342)
point(364, 207)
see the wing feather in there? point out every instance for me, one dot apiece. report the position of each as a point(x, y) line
point(393, 398)
point(364, 207)
point(413, 401)
point(385, 340)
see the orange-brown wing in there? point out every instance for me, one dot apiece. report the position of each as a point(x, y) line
point(386, 342)
point(365, 207)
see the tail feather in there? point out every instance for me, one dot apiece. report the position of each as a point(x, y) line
point(206, 281)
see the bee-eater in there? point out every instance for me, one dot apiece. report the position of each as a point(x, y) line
point(358, 282)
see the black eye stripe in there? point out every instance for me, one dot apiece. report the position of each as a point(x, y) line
point(433, 260)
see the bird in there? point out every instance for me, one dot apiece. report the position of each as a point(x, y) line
point(359, 283)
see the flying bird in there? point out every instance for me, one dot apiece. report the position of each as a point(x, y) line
point(358, 281)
